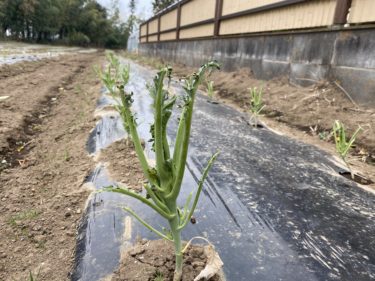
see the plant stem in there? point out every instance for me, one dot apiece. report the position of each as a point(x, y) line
point(350, 170)
point(176, 234)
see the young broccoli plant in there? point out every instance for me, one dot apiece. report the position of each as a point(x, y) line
point(256, 105)
point(165, 178)
point(342, 145)
point(114, 76)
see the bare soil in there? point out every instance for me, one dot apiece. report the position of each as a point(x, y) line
point(123, 165)
point(148, 259)
point(23, 68)
point(44, 127)
point(303, 113)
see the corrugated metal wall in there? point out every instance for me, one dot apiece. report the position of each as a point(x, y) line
point(208, 18)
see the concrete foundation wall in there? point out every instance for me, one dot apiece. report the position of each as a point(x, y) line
point(346, 56)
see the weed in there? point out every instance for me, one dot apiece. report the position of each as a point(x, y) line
point(324, 136)
point(78, 89)
point(66, 155)
point(31, 276)
point(23, 216)
point(342, 145)
point(256, 104)
point(210, 89)
point(36, 127)
point(164, 180)
point(159, 276)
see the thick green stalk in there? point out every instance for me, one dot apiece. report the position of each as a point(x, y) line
point(176, 234)
point(159, 146)
point(137, 142)
point(179, 137)
point(183, 151)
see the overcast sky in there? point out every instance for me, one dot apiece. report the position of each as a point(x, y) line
point(144, 7)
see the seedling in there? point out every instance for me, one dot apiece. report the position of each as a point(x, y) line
point(256, 105)
point(210, 89)
point(23, 216)
point(113, 77)
point(66, 155)
point(324, 136)
point(165, 178)
point(31, 277)
point(159, 276)
point(342, 146)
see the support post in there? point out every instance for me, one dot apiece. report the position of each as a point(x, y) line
point(218, 14)
point(147, 32)
point(178, 26)
point(140, 34)
point(159, 22)
point(342, 11)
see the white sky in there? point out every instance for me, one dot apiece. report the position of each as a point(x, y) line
point(144, 8)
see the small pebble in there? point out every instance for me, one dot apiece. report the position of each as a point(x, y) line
point(70, 233)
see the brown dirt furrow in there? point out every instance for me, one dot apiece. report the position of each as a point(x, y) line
point(42, 199)
point(31, 96)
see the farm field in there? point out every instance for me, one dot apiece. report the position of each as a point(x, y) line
point(274, 205)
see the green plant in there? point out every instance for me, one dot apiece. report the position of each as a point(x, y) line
point(323, 136)
point(66, 155)
point(159, 276)
point(25, 215)
point(210, 89)
point(31, 276)
point(342, 145)
point(256, 104)
point(113, 77)
point(164, 180)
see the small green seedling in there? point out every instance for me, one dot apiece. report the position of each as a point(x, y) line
point(66, 155)
point(159, 276)
point(256, 105)
point(32, 277)
point(210, 89)
point(164, 179)
point(113, 77)
point(342, 146)
point(23, 216)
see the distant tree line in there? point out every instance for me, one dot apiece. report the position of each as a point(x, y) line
point(73, 22)
point(159, 5)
